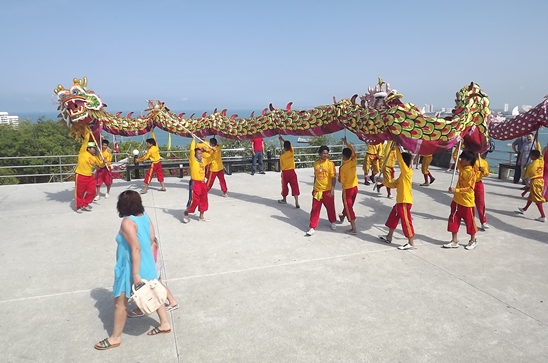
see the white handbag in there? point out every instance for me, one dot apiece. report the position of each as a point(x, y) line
point(149, 296)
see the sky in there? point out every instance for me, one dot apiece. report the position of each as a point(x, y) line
point(243, 54)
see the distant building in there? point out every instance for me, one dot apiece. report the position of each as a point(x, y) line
point(505, 107)
point(6, 119)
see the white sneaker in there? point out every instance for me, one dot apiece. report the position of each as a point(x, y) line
point(406, 246)
point(471, 245)
point(310, 232)
point(451, 245)
point(484, 226)
point(521, 210)
point(541, 219)
point(225, 195)
point(97, 197)
point(106, 196)
point(390, 196)
point(87, 208)
point(79, 211)
point(333, 226)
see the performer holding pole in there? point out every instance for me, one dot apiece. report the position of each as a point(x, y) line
point(153, 153)
point(103, 174)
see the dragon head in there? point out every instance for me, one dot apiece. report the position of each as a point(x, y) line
point(78, 105)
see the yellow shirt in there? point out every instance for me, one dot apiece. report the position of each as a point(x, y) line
point(374, 149)
point(481, 163)
point(153, 153)
point(403, 184)
point(347, 171)
point(214, 157)
point(287, 159)
point(107, 156)
point(391, 161)
point(464, 191)
point(86, 160)
point(535, 170)
point(324, 173)
point(197, 167)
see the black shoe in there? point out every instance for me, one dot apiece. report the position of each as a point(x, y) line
point(252, 173)
point(366, 182)
point(262, 172)
point(432, 180)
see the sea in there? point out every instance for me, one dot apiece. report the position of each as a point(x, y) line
point(501, 154)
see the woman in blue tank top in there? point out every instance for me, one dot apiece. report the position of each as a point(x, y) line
point(134, 262)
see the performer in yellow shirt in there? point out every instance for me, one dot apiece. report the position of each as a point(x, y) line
point(103, 174)
point(348, 178)
point(289, 177)
point(198, 187)
point(426, 160)
point(371, 161)
point(84, 190)
point(153, 153)
point(535, 173)
point(324, 190)
point(481, 168)
point(462, 206)
point(216, 167)
point(388, 171)
point(404, 201)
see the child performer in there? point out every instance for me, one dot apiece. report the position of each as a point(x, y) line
point(198, 198)
point(426, 160)
point(404, 201)
point(371, 161)
point(462, 206)
point(481, 168)
point(172, 304)
point(103, 174)
point(348, 178)
point(388, 171)
point(324, 190)
point(289, 177)
point(153, 153)
point(535, 173)
point(216, 167)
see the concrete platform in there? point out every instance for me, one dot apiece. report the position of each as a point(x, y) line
point(253, 288)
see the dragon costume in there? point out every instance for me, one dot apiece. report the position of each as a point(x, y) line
point(380, 116)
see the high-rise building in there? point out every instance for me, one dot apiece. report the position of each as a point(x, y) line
point(505, 107)
point(6, 119)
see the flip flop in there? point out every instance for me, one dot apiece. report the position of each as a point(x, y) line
point(383, 238)
point(105, 344)
point(171, 308)
point(157, 331)
point(133, 314)
point(351, 232)
point(161, 190)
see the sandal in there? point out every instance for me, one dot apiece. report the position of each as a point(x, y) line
point(162, 190)
point(383, 238)
point(134, 314)
point(157, 331)
point(105, 344)
point(349, 231)
point(171, 308)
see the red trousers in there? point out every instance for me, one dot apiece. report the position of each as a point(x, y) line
point(84, 191)
point(459, 212)
point(155, 168)
point(349, 197)
point(329, 203)
point(103, 175)
point(401, 211)
point(479, 195)
point(198, 197)
point(212, 175)
point(290, 177)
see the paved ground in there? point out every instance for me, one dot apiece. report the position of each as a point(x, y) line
point(253, 288)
